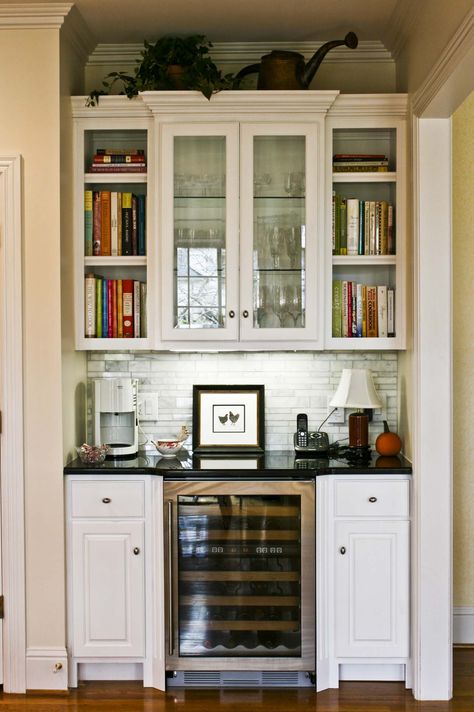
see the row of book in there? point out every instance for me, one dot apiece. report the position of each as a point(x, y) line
point(360, 163)
point(362, 227)
point(114, 308)
point(360, 310)
point(118, 160)
point(114, 223)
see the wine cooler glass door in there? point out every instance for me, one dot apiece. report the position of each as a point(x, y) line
point(238, 560)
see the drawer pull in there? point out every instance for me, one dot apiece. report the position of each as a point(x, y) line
point(342, 550)
point(245, 313)
point(106, 500)
point(136, 551)
point(372, 499)
point(231, 313)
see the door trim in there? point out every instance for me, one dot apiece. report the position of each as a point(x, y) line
point(11, 454)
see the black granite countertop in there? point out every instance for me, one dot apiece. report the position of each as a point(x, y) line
point(272, 464)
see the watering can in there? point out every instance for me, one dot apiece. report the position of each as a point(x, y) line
point(285, 70)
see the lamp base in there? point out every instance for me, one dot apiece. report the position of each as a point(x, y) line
point(358, 454)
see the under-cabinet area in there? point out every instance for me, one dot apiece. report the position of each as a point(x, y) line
point(286, 573)
point(249, 221)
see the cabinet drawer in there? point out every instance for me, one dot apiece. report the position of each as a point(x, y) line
point(108, 499)
point(371, 498)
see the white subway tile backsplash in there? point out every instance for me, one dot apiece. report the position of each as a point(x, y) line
point(294, 382)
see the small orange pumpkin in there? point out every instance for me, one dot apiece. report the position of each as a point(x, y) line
point(388, 443)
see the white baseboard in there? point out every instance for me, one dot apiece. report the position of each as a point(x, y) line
point(463, 625)
point(110, 671)
point(382, 671)
point(46, 669)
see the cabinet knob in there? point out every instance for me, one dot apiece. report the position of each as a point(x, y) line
point(106, 500)
point(342, 550)
point(136, 551)
point(372, 499)
point(231, 313)
point(245, 313)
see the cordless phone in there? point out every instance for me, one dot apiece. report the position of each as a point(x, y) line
point(302, 430)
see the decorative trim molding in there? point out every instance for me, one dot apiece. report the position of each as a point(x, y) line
point(233, 53)
point(454, 53)
point(370, 105)
point(11, 452)
point(77, 34)
point(46, 668)
point(400, 25)
point(33, 16)
point(463, 625)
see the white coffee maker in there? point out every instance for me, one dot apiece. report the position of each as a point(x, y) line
point(115, 418)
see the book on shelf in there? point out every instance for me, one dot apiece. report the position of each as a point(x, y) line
point(359, 157)
point(120, 152)
point(117, 223)
point(117, 168)
point(362, 227)
point(104, 158)
point(114, 308)
point(360, 310)
point(360, 162)
point(88, 223)
point(382, 311)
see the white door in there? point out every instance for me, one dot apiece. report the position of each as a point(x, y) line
point(371, 581)
point(282, 232)
point(108, 588)
point(200, 231)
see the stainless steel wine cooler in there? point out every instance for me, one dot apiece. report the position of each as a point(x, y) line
point(240, 568)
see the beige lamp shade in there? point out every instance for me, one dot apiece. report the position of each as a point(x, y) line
point(356, 390)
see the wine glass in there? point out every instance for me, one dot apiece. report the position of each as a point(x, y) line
point(276, 242)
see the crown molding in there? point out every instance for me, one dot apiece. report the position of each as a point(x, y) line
point(447, 65)
point(401, 24)
point(77, 34)
point(370, 105)
point(33, 16)
point(224, 53)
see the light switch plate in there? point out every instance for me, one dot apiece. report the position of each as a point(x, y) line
point(148, 406)
point(338, 417)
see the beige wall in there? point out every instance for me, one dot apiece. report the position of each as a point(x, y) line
point(29, 124)
point(463, 356)
point(73, 362)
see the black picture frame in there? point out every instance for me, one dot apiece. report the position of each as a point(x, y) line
point(228, 419)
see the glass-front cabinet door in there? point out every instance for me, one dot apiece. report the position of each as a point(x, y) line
point(281, 259)
point(200, 224)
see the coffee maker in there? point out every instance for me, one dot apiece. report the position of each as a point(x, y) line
point(115, 417)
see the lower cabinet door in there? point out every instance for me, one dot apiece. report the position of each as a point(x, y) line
point(372, 588)
point(108, 592)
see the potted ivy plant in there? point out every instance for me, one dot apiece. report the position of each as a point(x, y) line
point(170, 63)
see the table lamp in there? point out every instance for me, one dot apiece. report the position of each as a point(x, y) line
point(356, 390)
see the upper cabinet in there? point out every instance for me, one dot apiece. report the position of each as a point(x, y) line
point(366, 215)
point(232, 217)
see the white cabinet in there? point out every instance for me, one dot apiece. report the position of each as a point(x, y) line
point(115, 576)
point(242, 224)
point(108, 581)
point(366, 198)
point(371, 587)
point(238, 196)
point(363, 567)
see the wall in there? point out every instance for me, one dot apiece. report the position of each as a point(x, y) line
point(463, 345)
point(309, 378)
point(29, 124)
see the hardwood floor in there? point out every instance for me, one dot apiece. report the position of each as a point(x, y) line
point(351, 697)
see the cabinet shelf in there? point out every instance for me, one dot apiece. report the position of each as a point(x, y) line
point(115, 178)
point(364, 177)
point(119, 261)
point(373, 260)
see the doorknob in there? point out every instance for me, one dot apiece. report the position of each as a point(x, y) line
point(136, 550)
point(342, 550)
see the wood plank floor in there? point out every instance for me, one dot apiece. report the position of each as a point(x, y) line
point(351, 697)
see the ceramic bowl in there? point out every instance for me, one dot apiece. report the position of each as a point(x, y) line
point(92, 454)
point(168, 447)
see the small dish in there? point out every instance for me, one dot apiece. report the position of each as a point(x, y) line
point(168, 447)
point(92, 454)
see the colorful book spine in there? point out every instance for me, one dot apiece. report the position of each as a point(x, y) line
point(343, 219)
point(127, 307)
point(391, 249)
point(390, 311)
point(98, 318)
point(96, 222)
point(143, 324)
point(119, 223)
point(90, 306)
point(102, 158)
point(136, 309)
point(118, 168)
point(141, 224)
point(352, 226)
point(382, 311)
point(345, 309)
point(119, 309)
point(105, 309)
point(134, 225)
point(88, 223)
point(110, 309)
point(372, 330)
point(114, 223)
point(105, 222)
point(337, 308)
point(359, 310)
point(120, 152)
point(127, 224)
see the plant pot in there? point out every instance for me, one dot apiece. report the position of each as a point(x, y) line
point(175, 74)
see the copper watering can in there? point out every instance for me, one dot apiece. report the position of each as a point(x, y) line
point(287, 70)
